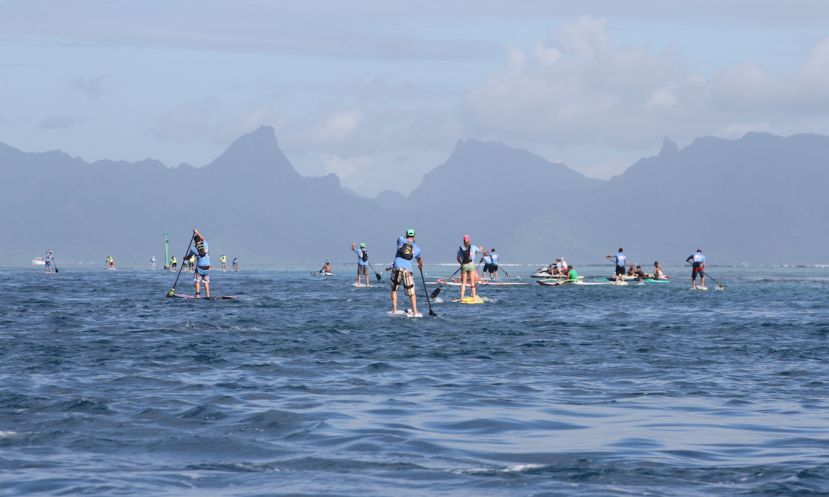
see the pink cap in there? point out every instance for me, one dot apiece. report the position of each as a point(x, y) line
point(466, 238)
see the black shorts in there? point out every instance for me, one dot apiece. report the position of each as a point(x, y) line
point(492, 268)
point(697, 269)
point(620, 270)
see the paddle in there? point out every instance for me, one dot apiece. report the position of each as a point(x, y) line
point(55, 264)
point(172, 291)
point(320, 271)
point(436, 291)
point(720, 286)
point(426, 291)
point(379, 278)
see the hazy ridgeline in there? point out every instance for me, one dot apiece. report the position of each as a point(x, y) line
point(759, 200)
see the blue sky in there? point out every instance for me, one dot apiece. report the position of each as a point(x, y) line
point(379, 92)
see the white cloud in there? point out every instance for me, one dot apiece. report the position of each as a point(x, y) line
point(582, 88)
point(346, 167)
point(338, 127)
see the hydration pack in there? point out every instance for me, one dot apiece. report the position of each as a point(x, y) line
point(467, 255)
point(200, 249)
point(364, 257)
point(406, 251)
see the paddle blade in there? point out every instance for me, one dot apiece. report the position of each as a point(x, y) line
point(435, 293)
point(377, 275)
point(171, 293)
point(56, 270)
point(432, 313)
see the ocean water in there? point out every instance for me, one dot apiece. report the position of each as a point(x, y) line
point(304, 386)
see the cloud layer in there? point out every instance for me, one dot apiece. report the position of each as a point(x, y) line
point(582, 88)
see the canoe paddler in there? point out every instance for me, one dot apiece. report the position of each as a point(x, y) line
point(658, 273)
point(362, 261)
point(401, 272)
point(697, 261)
point(466, 258)
point(199, 251)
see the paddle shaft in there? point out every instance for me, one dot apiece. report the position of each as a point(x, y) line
point(426, 291)
point(173, 290)
point(375, 271)
point(437, 290)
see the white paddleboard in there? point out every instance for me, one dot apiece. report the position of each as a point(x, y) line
point(361, 285)
point(404, 314)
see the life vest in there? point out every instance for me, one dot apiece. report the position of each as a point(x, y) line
point(364, 257)
point(406, 251)
point(467, 255)
point(200, 248)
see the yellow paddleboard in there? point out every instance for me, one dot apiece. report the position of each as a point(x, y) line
point(470, 300)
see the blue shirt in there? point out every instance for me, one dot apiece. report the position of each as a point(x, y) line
point(493, 257)
point(200, 261)
point(360, 261)
point(401, 263)
point(473, 251)
point(621, 258)
point(698, 259)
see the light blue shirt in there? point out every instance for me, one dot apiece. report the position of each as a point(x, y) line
point(621, 258)
point(493, 257)
point(201, 261)
point(360, 261)
point(401, 263)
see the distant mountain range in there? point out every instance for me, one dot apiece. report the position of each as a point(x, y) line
point(759, 200)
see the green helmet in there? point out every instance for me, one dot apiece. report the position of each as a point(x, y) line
point(410, 232)
point(362, 245)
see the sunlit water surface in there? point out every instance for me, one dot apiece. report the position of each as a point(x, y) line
point(304, 386)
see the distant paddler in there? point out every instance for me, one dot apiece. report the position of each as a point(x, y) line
point(697, 261)
point(466, 258)
point(401, 273)
point(362, 262)
point(619, 259)
point(200, 253)
point(152, 263)
point(48, 260)
point(110, 262)
point(491, 264)
point(173, 263)
point(223, 260)
point(572, 275)
point(658, 273)
point(235, 264)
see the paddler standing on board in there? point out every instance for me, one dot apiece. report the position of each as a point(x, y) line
point(697, 261)
point(469, 274)
point(362, 261)
point(48, 260)
point(493, 265)
point(223, 261)
point(202, 266)
point(401, 272)
point(620, 259)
